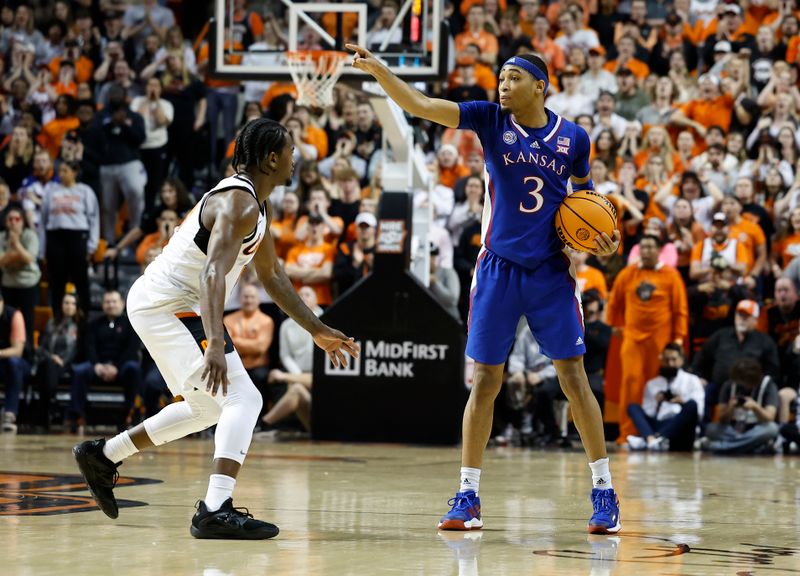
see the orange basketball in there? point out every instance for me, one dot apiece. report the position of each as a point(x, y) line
point(582, 216)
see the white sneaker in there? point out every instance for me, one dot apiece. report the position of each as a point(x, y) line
point(527, 424)
point(9, 423)
point(636, 443)
point(659, 444)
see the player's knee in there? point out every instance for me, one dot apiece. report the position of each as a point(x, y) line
point(246, 395)
point(205, 411)
point(487, 380)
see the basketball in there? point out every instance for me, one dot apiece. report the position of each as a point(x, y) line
point(582, 216)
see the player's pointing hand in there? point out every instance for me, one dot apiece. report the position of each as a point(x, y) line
point(336, 344)
point(607, 245)
point(364, 60)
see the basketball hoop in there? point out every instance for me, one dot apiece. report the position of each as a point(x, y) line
point(315, 73)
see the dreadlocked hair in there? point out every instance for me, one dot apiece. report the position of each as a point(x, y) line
point(257, 140)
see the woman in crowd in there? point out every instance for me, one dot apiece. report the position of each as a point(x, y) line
point(18, 158)
point(59, 346)
point(19, 249)
point(684, 232)
point(605, 148)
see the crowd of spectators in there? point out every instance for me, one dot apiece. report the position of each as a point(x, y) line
point(111, 128)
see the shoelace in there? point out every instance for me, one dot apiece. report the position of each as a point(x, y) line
point(459, 503)
point(115, 478)
point(243, 512)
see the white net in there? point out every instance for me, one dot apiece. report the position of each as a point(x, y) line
point(315, 74)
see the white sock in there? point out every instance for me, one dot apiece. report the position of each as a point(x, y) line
point(470, 479)
point(119, 447)
point(601, 476)
point(220, 488)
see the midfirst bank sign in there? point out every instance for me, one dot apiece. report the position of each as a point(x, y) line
point(381, 359)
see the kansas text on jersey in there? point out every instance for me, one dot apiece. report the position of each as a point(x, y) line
point(527, 170)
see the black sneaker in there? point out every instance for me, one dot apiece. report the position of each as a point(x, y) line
point(229, 523)
point(100, 473)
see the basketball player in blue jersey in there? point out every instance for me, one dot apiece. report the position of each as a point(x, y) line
point(531, 153)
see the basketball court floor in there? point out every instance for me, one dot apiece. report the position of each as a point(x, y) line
point(372, 509)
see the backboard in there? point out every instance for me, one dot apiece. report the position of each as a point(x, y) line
point(411, 38)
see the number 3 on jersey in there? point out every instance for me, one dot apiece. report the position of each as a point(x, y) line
point(538, 199)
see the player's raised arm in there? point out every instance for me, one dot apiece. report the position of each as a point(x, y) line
point(409, 99)
point(230, 218)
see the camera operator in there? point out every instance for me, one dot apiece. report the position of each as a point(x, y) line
point(748, 403)
point(673, 402)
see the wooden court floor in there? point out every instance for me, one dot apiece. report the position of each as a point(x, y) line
point(372, 509)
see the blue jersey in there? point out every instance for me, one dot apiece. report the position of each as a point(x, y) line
point(527, 173)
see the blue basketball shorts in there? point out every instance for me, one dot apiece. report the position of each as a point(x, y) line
point(503, 291)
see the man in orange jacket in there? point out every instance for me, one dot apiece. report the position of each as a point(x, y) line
point(648, 306)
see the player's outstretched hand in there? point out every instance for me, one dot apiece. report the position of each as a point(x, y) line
point(606, 245)
point(216, 369)
point(364, 60)
point(336, 344)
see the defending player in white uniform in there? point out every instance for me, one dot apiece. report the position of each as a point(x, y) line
point(176, 308)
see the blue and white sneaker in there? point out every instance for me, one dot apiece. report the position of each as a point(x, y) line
point(465, 513)
point(605, 519)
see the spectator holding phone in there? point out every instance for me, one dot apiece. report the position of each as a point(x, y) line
point(157, 114)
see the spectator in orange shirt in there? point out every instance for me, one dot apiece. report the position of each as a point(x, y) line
point(484, 75)
point(282, 228)
point(787, 245)
point(649, 309)
point(66, 79)
point(152, 244)
point(313, 133)
point(251, 331)
point(464, 87)
point(719, 244)
point(84, 67)
point(474, 33)
point(626, 50)
point(65, 120)
point(319, 204)
point(450, 166)
point(311, 263)
point(790, 34)
point(712, 108)
point(747, 232)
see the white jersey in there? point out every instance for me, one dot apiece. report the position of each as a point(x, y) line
point(176, 271)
